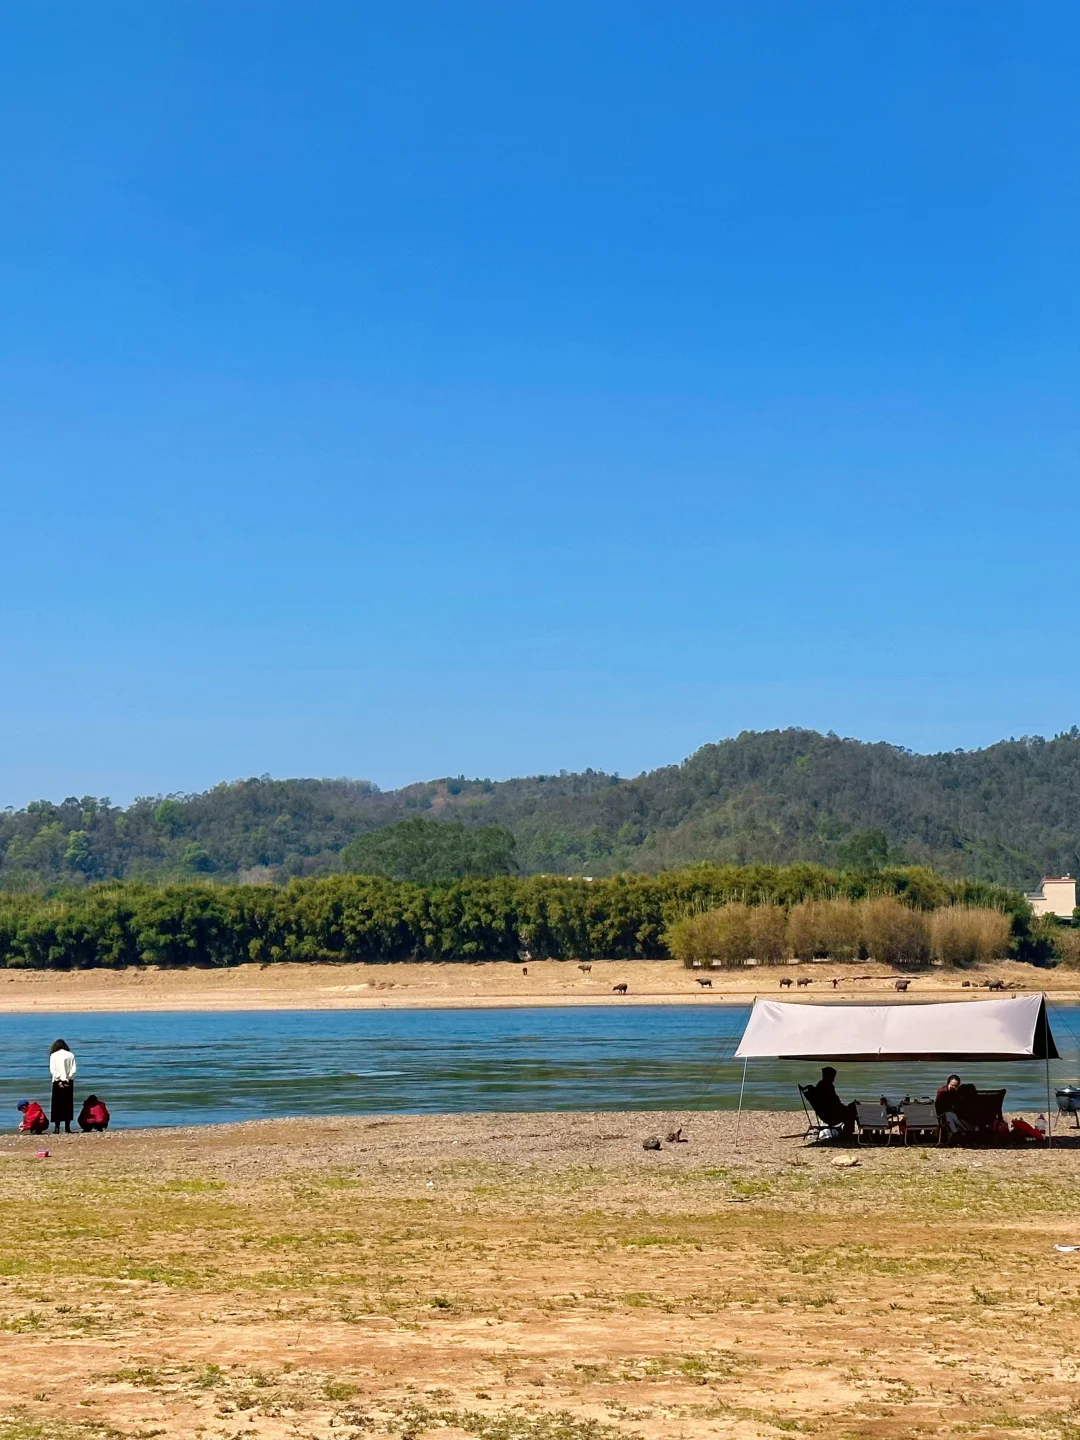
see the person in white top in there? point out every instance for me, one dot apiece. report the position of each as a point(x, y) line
point(62, 1070)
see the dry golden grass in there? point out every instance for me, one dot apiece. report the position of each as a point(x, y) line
point(894, 934)
point(1067, 943)
point(825, 927)
point(962, 936)
point(533, 1278)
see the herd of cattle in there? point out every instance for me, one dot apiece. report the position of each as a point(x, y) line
point(801, 982)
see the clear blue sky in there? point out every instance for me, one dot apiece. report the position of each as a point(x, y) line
point(411, 389)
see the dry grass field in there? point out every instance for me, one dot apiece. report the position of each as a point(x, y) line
point(533, 1277)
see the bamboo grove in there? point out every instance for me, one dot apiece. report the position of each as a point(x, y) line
point(367, 918)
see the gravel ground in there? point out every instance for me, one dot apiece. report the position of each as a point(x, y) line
point(261, 1149)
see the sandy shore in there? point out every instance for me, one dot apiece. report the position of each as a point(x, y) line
point(252, 1151)
point(488, 983)
point(533, 1277)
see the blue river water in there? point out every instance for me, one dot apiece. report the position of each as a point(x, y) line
point(189, 1068)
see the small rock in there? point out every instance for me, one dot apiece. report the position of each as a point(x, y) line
point(652, 1143)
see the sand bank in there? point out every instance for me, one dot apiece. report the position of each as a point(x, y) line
point(489, 983)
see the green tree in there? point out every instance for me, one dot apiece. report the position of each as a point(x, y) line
point(196, 859)
point(432, 852)
point(80, 851)
point(169, 815)
point(865, 852)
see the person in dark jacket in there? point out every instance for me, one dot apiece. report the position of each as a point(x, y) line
point(830, 1108)
point(955, 1103)
point(94, 1114)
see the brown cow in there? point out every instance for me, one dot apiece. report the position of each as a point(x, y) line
point(620, 989)
point(785, 984)
point(902, 985)
point(584, 969)
point(705, 984)
point(804, 980)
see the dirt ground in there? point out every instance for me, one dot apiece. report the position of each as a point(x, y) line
point(495, 983)
point(534, 1277)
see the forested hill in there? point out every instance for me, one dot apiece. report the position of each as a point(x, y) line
point(1007, 813)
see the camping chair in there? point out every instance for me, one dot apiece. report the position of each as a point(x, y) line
point(987, 1117)
point(815, 1126)
point(982, 1118)
point(921, 1116)
point(874, 1120)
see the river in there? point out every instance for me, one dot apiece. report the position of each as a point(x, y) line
point(188, 1068)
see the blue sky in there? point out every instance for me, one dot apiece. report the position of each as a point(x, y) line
point(416, 389)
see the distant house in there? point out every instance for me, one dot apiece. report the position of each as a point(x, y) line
point(1056, 895)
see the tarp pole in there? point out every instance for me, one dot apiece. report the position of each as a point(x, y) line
point(742, 1087)
point(1049, 1115)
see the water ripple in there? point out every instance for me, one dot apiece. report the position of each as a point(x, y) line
point(190, 1068)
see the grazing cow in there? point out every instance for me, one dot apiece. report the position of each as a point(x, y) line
point(584, 969)
point(785, 984)
point(995, 984)
point(705, 984)
point(966, 985)
point(804, 980)
point(902, 985)
point(620, 989)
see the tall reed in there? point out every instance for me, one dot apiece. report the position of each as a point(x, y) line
point(715, 937)
point(769, 943)
point(894, 933)
point(961, 936)
point(824, 927)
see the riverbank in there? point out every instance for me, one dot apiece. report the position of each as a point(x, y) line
point(406, 985)
point(536, 1277)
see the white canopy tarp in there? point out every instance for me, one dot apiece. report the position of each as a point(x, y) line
point(1012, 1029)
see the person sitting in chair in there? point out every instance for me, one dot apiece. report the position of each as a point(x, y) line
point(954, 1103)
point(830, 1108)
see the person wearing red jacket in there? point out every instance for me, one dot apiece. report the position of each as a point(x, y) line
point(34, 1120)
point(94, 1114)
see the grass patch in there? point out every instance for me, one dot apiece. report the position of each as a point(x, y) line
point(145, 1376)
point(17, 1428)
point(339, 1390)
point(507, 1425)
point(193, 1187)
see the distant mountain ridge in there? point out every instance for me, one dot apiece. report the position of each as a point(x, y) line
point(1007, 813)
